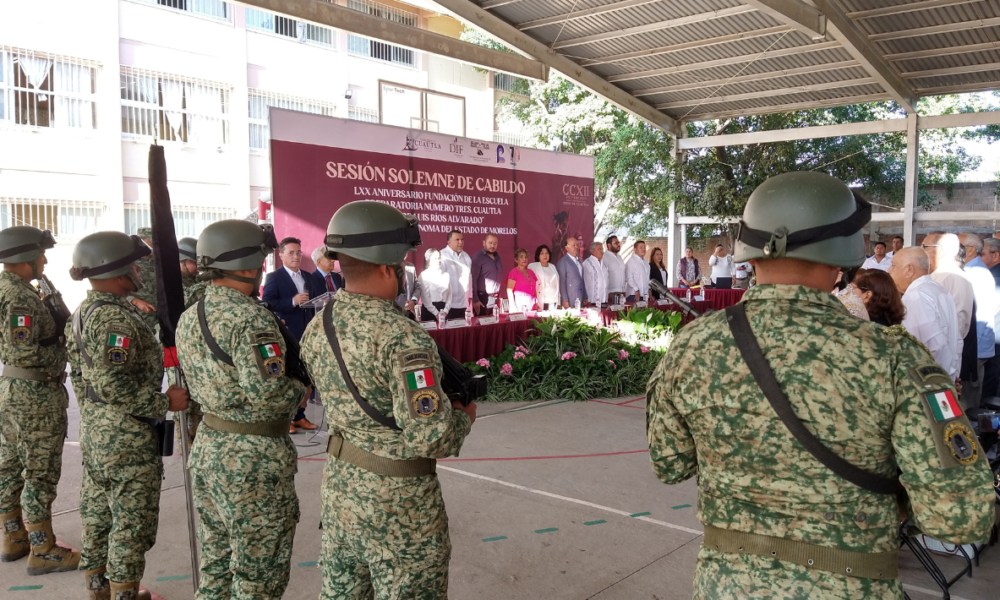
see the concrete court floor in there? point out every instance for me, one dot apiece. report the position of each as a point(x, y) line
point(548, 500)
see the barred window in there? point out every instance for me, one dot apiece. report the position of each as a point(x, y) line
point(511, 139)
point(260, 100)
point(360, 113)
point(66, 219)
point(361, 46)
point(216, 9)
point(189, 221)
point(509, 83)
point(173, 108)
point(46, 90)
point(305, 32)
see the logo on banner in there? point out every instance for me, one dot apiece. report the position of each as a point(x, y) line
point(456, 148)
point(500, 151)
point(413, 143)
point(482, 150)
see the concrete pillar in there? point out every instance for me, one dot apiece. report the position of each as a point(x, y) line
point(912, 189)
point(673, 233)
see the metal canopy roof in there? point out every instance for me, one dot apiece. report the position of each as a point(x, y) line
point(704, 59)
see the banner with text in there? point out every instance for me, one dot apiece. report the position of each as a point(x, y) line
point(527, 197)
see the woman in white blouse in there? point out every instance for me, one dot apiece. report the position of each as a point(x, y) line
point(435, 287)
point(548, 279)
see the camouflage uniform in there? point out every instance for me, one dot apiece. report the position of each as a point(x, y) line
point(148, 291)
point(386, 533)
point(244, 485)
point(194, 290)
point(122, 468)
point(855, 385)
point(32, 413)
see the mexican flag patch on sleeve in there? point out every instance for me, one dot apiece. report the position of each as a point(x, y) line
point(24, 321)
point(944, 406)
point(416, 380)
point(269, 350)
point(118, 341)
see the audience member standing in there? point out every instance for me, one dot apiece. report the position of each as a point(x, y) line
point(946, 269)
point(548, 279)
point(437, 289)
point(930, 310)
point(741, 275)
point(455, 258)
point(323, 278)
point(595, 274)
point(571, 287)
point(637, 273)
point(615, 266)
point(984, 291)
point(880, 260)
point(721, 263)
point(881, 298)
point(897, 245)
point(991, 257)
point(844, 292)
point(487, 276)
point(411, 289)
point(688, 269)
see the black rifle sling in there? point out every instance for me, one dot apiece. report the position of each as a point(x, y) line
point(754, 357)
point(78, 323)
point(331, 336)
point(206, 333)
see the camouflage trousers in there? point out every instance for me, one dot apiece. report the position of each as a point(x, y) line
point(120, 496)
point(246, 529)
point(744, 576)
point(383, 537)
point(32, 433)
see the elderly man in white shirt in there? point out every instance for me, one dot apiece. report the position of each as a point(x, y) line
point(437, 289)
point(614, 265)
point(880, 260)
point(946, 271)
point(637, 274)
point(930, 310)
point(595, 274)
point(455, 259)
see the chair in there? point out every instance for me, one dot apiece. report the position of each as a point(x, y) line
point(908, 533)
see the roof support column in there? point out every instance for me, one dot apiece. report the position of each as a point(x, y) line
point(912, 189)
point(673, 230)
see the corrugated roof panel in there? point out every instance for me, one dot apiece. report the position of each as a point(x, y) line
point(940, 40)
point(960, 13)
point(828, 80)
point(948, 61)
point(773, 105)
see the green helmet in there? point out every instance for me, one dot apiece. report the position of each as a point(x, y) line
point(23, 244)
point(235, 245)
point(187, 247)
point(371, 232)
point(106, 255)
point(806, 215)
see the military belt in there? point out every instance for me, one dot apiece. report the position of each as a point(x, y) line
point(344, 450)
point(12, 372)
point(865, 565)
point(274, 429)
point(91, 395)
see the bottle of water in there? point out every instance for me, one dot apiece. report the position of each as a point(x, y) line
point(441, 319)
point(578, 304)
point(468, 316)
point(496, 311)
point(688, 295)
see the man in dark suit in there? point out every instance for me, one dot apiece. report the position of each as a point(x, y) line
point(571, 286)
point(286, 288)
point(324, 279)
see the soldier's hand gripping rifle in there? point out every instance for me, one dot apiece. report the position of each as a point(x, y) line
point(686, 308)
point(53, 301)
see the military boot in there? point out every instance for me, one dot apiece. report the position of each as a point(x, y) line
point(46, 556)
point(97, 584)
point(128, 591)
point(15, 537)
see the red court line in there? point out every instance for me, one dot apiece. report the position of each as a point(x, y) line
point(631, 401)
point(619, 405)
point(541, 457)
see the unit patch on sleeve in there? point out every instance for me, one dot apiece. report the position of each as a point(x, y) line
point(425, 403)
point(267, 352)
point(962, 442)
point(117, 345)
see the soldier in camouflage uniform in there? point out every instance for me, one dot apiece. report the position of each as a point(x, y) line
point(776, 520)
point(385, 530)
point(33, 404)
point(243, 463)
point(194, 290)
point(144, 299)
point(117, 373)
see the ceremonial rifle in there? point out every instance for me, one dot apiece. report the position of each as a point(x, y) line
point(686, 308)
point(169, 306)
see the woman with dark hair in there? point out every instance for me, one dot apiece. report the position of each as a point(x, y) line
point(878, 291)
point(657, 270)
point(548, 278)
point(522, 284)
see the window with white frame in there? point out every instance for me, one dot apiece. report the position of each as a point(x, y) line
point(46, 90)
point(360, 113)
point(189, 221)
point(66, 219)
point(506, 82)
point(260, 100)
point(216, 9)
point(362, 46)
point(174, 108)
point(260, 20)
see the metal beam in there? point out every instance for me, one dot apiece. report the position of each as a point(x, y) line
point(912, 189)
point(854, 41)
point(724, 62)
point(705, 220)
point(771, 93)
point(934, 29)
point(778, 108)
point(580, 14)
point(498, 3)
point(980, 68)
point(657, 26)
point(722, 39)
point(340, 17)
point(968, 49)
point(795, 13)
point(959, 120)
point(510, 36)
point(906, 8)
point(983, 86)
point(744, 78)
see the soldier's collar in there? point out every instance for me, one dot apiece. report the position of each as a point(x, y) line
point(364, 300)
point(93, 295)
point(792, 293)
point(228, 292)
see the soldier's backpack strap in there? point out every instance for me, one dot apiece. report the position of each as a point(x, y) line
point(206, 333)
point(331, 336)
point(79, 322)
point(752, 354)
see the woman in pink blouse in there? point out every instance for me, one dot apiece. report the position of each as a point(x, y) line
point(521, 283)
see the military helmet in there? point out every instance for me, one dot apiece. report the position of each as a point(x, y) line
point(106, 255)
point(235, 245)
point(371, 232)
point(23, 244)
point(806, 215)
point(187, 247)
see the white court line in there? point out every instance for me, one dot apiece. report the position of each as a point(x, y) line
point(937, 593)
point(567, 499)
point(72, 443)
point(514, 410)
